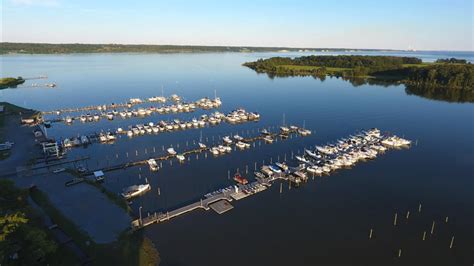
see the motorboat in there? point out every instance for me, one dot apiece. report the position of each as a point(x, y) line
point(135, 190)
point(153, 165)
point(227, 140)
point(171, 151)
point(180, 157)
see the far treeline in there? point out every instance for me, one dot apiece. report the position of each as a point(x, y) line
point(51, 48)
point(447, 73)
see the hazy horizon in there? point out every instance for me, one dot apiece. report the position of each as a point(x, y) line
point(439, 25)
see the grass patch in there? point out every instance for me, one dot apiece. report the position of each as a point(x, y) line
point(311, 68)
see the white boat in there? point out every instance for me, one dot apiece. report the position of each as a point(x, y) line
point(59, 170)
point(282, 166)
point(284, 129)
point(215, 151)
point(110, 116)
point(268, 139)
point(130, 133)
point(153, 165)
point(304, 132)
point(102, 137)
point(227, 140)
point(110, 136)
point(171, 151)
point(302, 159)
point(83, 118)
point(312, 154)
point(180, 157)
point(135, 190)
point(68, 120)
point(201, 145)
point(141, 112)
point(237, 137)
point(240, 145)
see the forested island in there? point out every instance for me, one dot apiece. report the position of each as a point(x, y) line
point(10, 82)
point(49, 48)
point(453, 76)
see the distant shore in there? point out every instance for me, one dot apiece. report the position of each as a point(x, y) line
point(50, 48)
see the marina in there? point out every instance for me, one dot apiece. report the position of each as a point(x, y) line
point(113, 112)
point(328, 158)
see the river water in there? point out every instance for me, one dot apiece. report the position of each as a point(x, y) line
point(325, 221)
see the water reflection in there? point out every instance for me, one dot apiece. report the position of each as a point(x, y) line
point(429, 92)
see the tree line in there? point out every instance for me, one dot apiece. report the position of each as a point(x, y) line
point(398, 69)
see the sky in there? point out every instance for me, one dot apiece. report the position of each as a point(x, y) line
point(382, 24)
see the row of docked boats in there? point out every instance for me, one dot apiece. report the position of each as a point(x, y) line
point(176, 124)
point(204, 103)
point(325, 159)
point(347, 152)
point(104, 107)
point(214, 118)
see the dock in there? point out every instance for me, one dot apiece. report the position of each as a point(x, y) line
point(104, 110)
point(219, 202)
point(221, 206)
point(185, 153)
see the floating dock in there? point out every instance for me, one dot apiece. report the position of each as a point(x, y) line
point(221, 206)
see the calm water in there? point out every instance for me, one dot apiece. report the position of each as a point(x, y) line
point(327, 220)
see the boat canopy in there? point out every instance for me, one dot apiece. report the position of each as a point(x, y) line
point(98, 174)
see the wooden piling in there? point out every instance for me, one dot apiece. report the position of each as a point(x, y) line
point(446, 220)
point(370, 234)
point(424, 235)
point(419, 208)
point(452, 243)
point(432, 227)
point(399, 252)
point(395, 219)
point(281, 188)
point(408, 214)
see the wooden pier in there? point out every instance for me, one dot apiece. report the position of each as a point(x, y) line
point(203, 204)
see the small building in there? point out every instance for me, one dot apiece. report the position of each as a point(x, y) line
point(99, 176)
point(51, 149)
